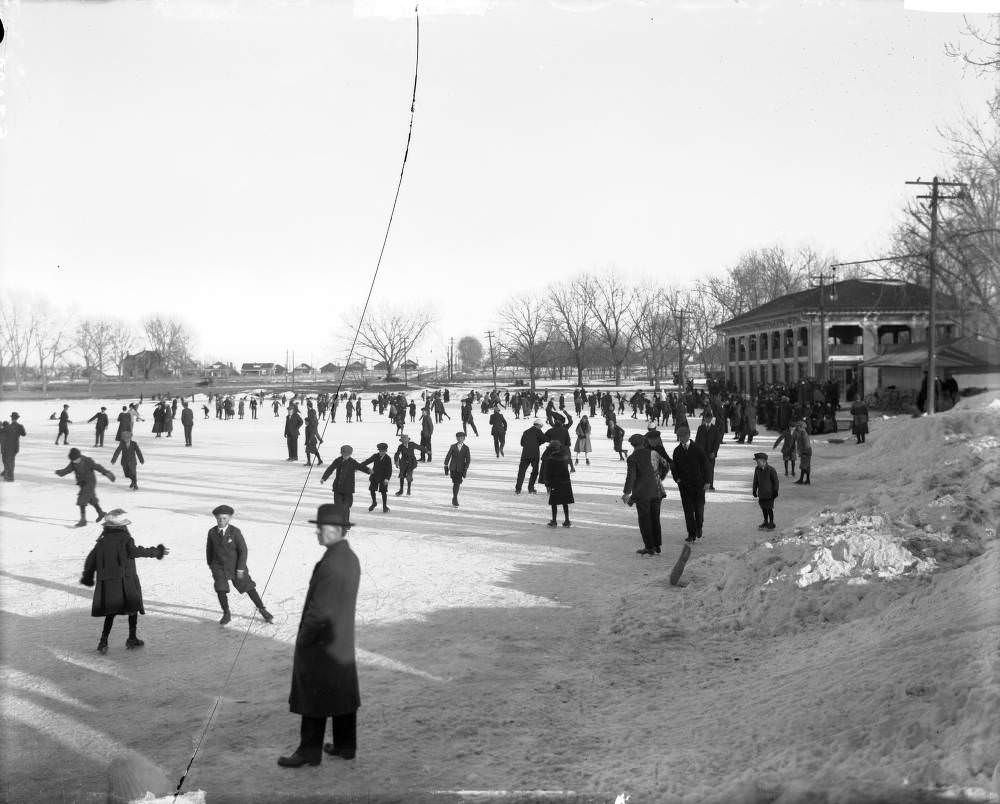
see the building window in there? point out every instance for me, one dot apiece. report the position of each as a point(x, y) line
point(741, 346)
point(753, 346)
point(789, 343)
point(763, 344)
point(732, 349)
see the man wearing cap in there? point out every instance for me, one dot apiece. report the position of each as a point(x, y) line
point(343, 481)
point(324, 667)
point(131, 457)
point(426, 431)
point(765, 489)
point(406, 462)
point(803, 446)
point(84, 469)
point(187, 422)
point(644, 489)
point(456, 464)
point(101, 419)
point(709, 438)
point(690, 472)
point(117, 590)
point(226, 553)
point(10, 445)
point(531, 442)
point(293, 423)
point(64, 423)
point(381, 465)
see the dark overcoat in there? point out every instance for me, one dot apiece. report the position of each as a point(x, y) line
point(117, 590)
point(131, 457)
point(381, 468)
point(709, 438)
point(690, 467)
point(644, 470)
point(554, 474)
point(859, 418)
point(343, 480)
point(456, 462)
point(225, 554)
point(765, 482)
point(324, 669)
point(531, 440)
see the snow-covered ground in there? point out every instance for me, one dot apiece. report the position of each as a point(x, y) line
point(852, 653)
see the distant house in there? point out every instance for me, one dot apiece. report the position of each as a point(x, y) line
point(261, 369)
point(409, 365)
point(219, 369)
point(357, 365)
point(304, 369)
point(144, 365)
point(330, 368)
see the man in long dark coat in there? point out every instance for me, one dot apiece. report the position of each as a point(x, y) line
point(293, 423)
point(426, 431)
point(131, 457)
point(531, 442)
point(456, 464)
point(381, 465)
point(644, 489)
point(117, 590)
point(64, 423)
point(498, 429)
point(10, 445)
point(709, 438)
point(101, 424)
point(187, 422)
point(324, 667)
point(690, 471)
point(84, 469)
point(226, 553)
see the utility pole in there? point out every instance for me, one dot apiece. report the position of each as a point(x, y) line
point(680, 348)
point(493, 362)
point(451, 358)
point(934, 198)
point(821, 278)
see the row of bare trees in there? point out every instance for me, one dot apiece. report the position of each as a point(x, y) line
point(37, 338)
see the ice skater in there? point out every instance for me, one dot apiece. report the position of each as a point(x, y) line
point(498, 429)
point(131, 457)
point(10, 445)
point(64, 422)
point(406, 461)
point(555, 476)
point(226, 553)
point(456, 464)
point(101, 419)
point(345, 468)
point(117, 590)
point(583, 440)
point(84, 469)
point(381, 465)
point(765, 489)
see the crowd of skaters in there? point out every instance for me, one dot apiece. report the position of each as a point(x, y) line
point(549, 455)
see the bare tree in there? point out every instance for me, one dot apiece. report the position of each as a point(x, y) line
point(122, 344)
point(16, 328)
point(570, 316)
point(93, 342)
point(654, 325)
point(171, 340)
point(387, 335)
point(525, 333)
point(51, 338)
point(470, 352)
point(705, 314)
point(611, 303)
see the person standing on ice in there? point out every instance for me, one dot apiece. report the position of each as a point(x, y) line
point(498, 429)
point(131, 457)
point(187, 422)
point(343, 481)
point(324, 666)
point(64, 422)
point(709, 438)
point(226, 553)
point(10, 445)
point(84, 469)
point(803, 446)
point(690, 472)
point(531, 442)
point(117, 590)
point(406, 461)
point(381, 472)
point(101, 419)
point(557, 463)
point(765, 489)
point(456, 464)
point(426, 431)
point(583, 440)
point(644, 489)
point(293, 423)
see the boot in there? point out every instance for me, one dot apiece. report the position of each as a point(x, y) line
point(265, 615)
point(102, 646)
point(226, 617)
point(407, 489)
point(81, 524)
point(134, 642)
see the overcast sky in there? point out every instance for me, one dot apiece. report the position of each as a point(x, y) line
point(233, 164)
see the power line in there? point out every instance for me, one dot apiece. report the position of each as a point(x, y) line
point(343, 374)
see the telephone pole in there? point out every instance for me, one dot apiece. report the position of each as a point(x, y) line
point(934, 198)
point(821, 278)
point(451, 358)
point(680, 348)
point(493, 362)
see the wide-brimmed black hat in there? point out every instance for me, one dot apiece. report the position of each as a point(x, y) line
point(333, 514)
point(223, 509)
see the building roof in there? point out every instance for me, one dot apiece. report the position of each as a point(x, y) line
point(960, 353)
point(252, 366)
point(852, 295)
point(144, 354)
point(330, 367)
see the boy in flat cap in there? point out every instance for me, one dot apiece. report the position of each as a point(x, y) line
point(406, 461)
point(765, 489)
point(456, 464)
point(101, 419)
point(324, 667)
point(131, 457)
point(381, 465)
point(343, 481)
point(64, 422)
point(226, 552)
point(84, 469)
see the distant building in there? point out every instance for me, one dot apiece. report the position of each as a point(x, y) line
point(782, 341)
point(262, 369)
point(304, 370)
point(330, 368)
point(144, 365)
point(219, 369)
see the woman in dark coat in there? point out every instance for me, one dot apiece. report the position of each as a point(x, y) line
point(131, 457)
point(859, 420)
point(117, 590)
point(554, 474)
